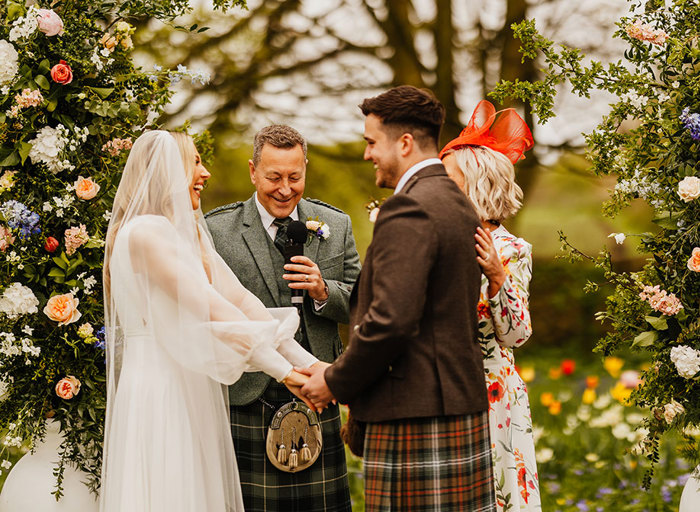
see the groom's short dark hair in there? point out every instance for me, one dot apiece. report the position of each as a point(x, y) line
point(407, 109)
point(279, 136)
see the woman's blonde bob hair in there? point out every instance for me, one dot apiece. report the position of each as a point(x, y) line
point(489, 182)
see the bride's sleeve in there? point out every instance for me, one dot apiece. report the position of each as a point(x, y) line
point(226, 282)
point(196, 324)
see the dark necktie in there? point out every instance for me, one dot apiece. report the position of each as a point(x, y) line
point(281, 236)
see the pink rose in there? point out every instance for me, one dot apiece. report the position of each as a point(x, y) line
point(49, 22)
point(85, 188)
point(68, 387)
point(61, 73)
point(63, 309)
point(6, 238)
point(694, 261)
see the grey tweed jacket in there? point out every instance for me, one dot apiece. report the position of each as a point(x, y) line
point(241, 240)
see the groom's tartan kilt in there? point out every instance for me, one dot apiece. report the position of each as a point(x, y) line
point(323, 487)
point(429, 464)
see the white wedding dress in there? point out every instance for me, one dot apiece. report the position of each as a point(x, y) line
point(177, 329)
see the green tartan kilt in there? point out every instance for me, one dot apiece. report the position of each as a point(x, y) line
point(321, 488)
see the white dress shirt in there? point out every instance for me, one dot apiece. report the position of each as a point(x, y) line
point(267, 222)
point(413, 170)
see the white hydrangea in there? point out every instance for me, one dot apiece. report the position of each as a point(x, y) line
point(48, 145)
point(8, 63)
point(25, 26)
point(687, 361)
point(18, 300)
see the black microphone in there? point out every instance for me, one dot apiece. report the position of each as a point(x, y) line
point(297, 235)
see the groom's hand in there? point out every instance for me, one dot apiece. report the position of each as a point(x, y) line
point(294, 382)
point(316, 389)
point(307, 277)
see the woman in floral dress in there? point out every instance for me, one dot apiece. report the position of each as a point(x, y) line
point(480, 161)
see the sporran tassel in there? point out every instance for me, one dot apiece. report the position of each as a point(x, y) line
point(293, 459)
point(282, 454)
point(305, 453)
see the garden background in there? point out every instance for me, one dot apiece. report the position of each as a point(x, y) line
point(310, 63)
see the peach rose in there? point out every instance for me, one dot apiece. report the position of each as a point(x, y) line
point(694, 261)
point(689, 188)
point(49, 22)
point(63, 309)
point(85, 188)
point(61, 73)
point(68, 387)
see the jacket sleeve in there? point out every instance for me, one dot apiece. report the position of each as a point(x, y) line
point(404, 249)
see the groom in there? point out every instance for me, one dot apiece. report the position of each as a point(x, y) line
point(413, 369)
point(246, 235)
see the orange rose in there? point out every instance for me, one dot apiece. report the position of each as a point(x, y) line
point(694, 261)
point(61, 73)
point(62, 309)
point(85, 188)
point(68, 387)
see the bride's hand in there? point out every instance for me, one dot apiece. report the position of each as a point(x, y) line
point(294, 381)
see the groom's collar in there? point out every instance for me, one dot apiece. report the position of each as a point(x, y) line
point(413, 170)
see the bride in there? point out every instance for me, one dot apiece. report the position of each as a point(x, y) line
point(179, 325)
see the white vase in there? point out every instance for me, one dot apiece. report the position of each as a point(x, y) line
point(31, 481)
point(690, 499)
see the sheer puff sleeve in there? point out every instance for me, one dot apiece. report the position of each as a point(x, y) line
point(206, 331)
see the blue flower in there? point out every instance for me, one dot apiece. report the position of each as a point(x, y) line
point(18, 216)
point(100, 335)
point(691, 122)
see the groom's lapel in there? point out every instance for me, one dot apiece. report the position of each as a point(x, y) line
point(307, 211)
point(254, 235)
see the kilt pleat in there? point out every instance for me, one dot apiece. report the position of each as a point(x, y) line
point(323, 487)
point(429, 464)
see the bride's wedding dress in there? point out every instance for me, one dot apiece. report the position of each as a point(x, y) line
point(179, 325)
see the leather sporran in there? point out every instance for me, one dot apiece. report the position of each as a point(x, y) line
point(294, 438)
point(353, 434)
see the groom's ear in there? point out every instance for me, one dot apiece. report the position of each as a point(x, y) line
point(251, 167)
point(406, 144)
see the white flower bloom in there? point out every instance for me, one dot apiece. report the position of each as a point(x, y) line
point(18, 300)
point(89, 283)
point(689, 188)
point(6, 464)
point(671, 410)
point(46, 147)
point(687, 361)
point(107, 215)
point(27, 330)
point(621, 430)
point(25, 26)
point(8, 63)
point(619, 237)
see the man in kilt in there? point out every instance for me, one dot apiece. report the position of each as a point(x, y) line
point(248, 235)
point(413, 369)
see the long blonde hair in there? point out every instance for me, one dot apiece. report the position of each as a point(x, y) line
point(489, 182)
point(185, 144)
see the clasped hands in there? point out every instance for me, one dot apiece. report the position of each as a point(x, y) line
point(309, 384)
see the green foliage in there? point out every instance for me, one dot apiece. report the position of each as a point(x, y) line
point(88, 123)
point(658, 89)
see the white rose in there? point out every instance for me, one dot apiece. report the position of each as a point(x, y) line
point(689, 188)
point(671, 410)
point(687, 361)
point(8, 62)
point(325, 231)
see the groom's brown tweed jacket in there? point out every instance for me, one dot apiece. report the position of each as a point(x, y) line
point(413, 349)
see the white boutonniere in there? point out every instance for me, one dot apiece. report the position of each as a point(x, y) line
point(373, 208)
point(317, 228)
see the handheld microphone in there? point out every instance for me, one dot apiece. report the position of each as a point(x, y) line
point(296, 238)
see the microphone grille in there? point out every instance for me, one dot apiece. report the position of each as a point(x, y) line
point(297, 232)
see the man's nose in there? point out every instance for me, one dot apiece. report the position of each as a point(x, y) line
point(366, 156)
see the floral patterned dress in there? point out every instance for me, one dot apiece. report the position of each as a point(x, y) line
point(504, 323)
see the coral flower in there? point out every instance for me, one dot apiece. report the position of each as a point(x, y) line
point(495, 392)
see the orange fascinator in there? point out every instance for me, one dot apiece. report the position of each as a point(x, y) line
point(503, 131)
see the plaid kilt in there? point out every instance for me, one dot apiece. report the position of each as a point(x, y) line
point(429, 464)
point(323, 487)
